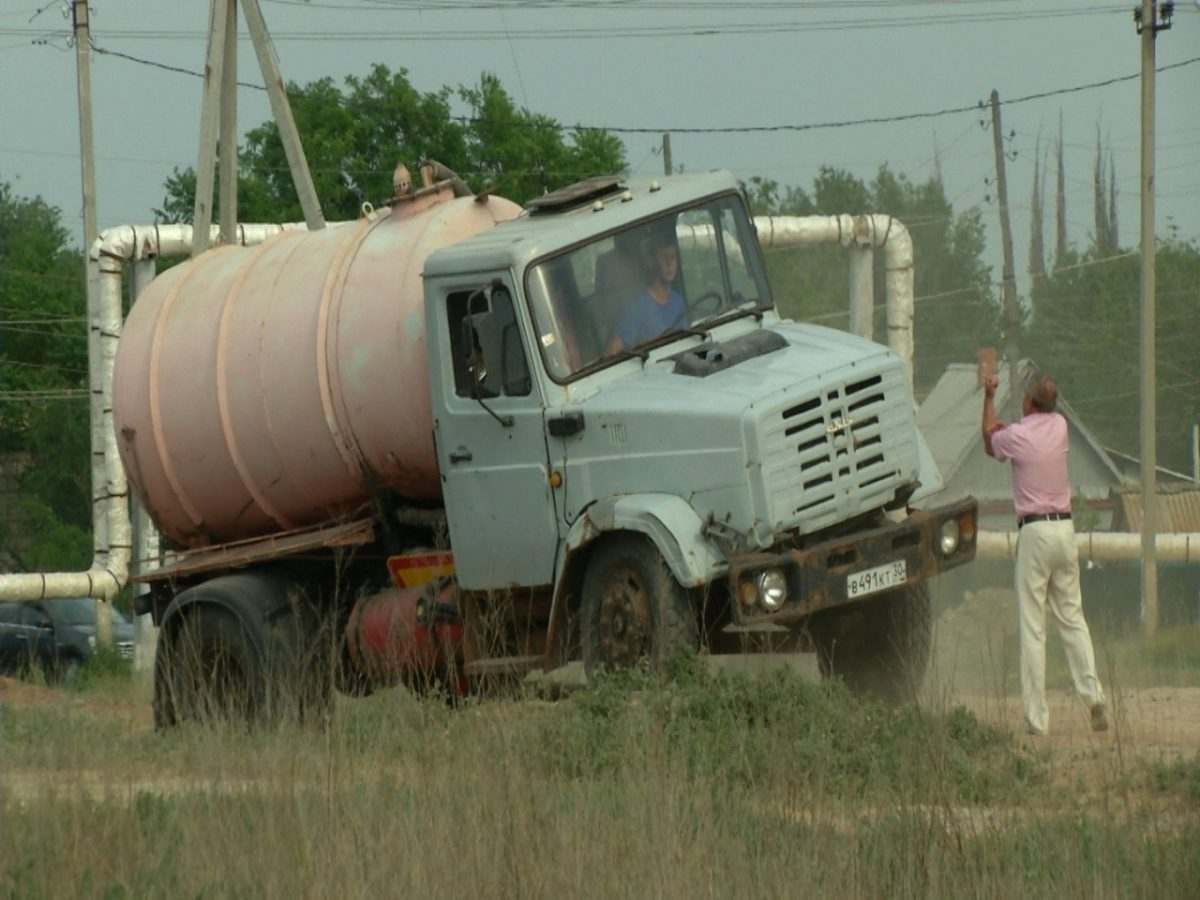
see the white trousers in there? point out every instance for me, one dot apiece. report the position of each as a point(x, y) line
point(1048, 575)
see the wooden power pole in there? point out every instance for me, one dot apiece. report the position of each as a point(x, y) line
point(218, 118)
point(668, 163)
point(1012, 316)
point(1148, 26)
point(81, 28)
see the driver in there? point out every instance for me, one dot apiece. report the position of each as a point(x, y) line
point(659, 308)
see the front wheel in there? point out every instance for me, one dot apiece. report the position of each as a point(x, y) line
point(633, 608)
point(879, 647)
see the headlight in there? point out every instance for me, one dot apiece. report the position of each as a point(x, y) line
point(772, 589)
point(91, 642)
point(949, 537)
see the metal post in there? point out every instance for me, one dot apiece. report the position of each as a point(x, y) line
point(1148, 387)
point(80, 21)
point(228, 155)
point(209, 121)
point(1012, 316)
point(668, 163)
point(282, 110)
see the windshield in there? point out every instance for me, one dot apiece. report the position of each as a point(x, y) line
point(656, 278)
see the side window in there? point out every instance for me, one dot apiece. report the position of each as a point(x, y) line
point(8, 613)
point(456, 312)
point(491, 350)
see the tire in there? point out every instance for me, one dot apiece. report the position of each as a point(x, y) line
point(879, 647)
point(633, 609)
point(207, 670)
point(243, 648)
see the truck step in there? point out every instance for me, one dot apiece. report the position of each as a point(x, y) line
point(505, 665)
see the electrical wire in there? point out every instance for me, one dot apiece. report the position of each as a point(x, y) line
point(733, 129)
point(609, 32)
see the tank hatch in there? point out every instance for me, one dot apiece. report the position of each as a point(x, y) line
point(576, 194)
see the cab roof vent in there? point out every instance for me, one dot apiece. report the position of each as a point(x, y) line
point(576, 194)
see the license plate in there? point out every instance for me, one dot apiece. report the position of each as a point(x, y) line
point(880, 578)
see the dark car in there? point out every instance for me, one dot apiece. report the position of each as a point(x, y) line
point(55, 636)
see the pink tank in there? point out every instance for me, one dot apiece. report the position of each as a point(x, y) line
point(260, 389)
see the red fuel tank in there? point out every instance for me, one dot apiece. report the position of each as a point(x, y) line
point(260, 389)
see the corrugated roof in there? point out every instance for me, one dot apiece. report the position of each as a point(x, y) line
point(950, 417)
point(1177, 508)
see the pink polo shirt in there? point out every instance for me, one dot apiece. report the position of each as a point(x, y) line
point(1037, 446)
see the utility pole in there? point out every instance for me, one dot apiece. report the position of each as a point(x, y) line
point(1148, 26)
point(1012, 316)
point(83, 77)
point(210, 120)
point(218, 118)
point(81, 28)
point(228, 153)
point(666, 147)
point(282, 110)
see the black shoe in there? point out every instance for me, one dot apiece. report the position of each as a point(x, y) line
point(1099, 719)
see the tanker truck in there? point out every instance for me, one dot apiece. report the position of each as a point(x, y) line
point(459, 441)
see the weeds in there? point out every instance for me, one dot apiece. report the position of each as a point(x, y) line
point(1179, 777)
point(697, 785)
point(106, 668)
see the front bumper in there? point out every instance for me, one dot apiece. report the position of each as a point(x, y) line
point(817, 575)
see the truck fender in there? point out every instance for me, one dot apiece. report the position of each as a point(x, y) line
point(667, 520)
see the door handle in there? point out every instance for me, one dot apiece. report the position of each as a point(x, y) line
point(460, 455)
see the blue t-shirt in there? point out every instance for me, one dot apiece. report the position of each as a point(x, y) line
point(645, 318)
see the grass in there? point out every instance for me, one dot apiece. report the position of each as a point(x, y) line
point(705, 785)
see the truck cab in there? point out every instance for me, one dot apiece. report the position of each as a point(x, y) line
point(626, 426)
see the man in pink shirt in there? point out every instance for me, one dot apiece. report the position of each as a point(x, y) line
point(1047, 557)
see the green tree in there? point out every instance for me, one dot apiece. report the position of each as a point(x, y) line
point(955, 311)
point(43, 382)
point(1085, 328)
point(354, 137)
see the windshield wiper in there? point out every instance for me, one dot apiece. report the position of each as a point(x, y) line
point(757, 311)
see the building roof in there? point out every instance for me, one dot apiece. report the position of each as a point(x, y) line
point(949, 418)
point(1177, 508)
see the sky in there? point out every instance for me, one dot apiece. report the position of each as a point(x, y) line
point(658, 64)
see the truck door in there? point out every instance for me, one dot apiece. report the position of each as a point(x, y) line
point(491, 444)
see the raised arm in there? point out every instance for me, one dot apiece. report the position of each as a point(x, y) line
point(990, 424)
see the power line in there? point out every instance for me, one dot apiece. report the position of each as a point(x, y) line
point(608, 32)
point(734, 129)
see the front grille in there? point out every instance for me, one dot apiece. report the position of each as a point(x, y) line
point(125, 648)
point(838, 452)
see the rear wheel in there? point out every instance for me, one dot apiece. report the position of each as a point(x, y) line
point(879, 647)
point(633, 608)
point(206, 670)
point(244, 648)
